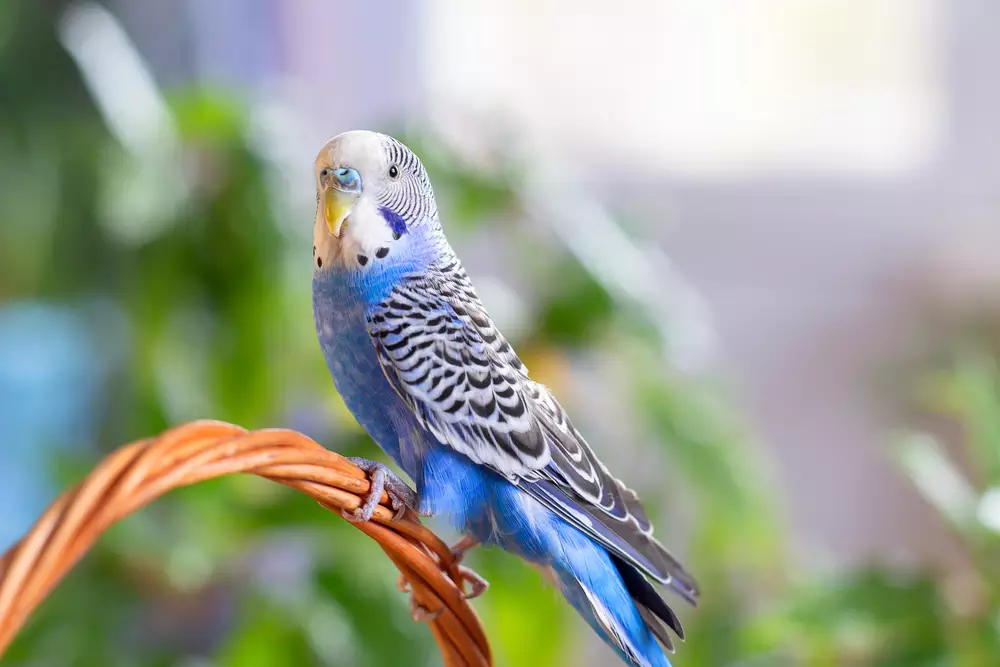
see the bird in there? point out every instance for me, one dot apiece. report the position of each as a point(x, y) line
point(423, 368)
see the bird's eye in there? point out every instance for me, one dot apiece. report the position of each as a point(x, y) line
point(393, 172)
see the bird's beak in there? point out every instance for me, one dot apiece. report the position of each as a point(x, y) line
point(337, 205)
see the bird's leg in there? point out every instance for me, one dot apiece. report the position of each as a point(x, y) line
point(382, 479)
point(462, 547)
point(462, 575)
point(477, 585)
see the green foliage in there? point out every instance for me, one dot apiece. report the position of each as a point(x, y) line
point(576, 307)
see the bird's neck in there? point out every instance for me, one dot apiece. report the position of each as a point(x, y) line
point(415, 254)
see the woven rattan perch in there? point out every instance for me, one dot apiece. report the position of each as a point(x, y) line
point(137, 474)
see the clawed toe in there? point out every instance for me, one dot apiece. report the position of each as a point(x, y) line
point(418, 612)
point(399, 507)
point(359, 515)
point(402, 497)
point(422, 614)
point(476, 584)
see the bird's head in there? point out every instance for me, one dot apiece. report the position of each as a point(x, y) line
point(372, 192)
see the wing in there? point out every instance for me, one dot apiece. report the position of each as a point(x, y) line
point(449, 363)
point(465, 385)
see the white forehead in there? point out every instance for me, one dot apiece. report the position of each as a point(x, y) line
point(359, 149)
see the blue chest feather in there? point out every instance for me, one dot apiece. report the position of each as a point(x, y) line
point(339, 308)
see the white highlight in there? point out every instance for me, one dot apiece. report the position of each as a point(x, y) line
point(123, 88)
point(938, 480)
point(142, 194)
point(708, 89)
point(989, 510)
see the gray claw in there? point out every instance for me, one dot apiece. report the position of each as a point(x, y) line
point(382, 479)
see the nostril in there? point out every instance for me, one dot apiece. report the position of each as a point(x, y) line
point(324, 172)
point(347, 179)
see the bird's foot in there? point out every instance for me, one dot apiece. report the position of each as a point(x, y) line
point(476, 584)
point(471, 584)
point(420, 613)
point(403, 498)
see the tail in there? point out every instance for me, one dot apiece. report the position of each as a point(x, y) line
point(616, 600)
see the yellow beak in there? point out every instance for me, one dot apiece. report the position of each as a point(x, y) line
point(337, 206)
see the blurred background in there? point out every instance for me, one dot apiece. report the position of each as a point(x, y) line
point(753, 247)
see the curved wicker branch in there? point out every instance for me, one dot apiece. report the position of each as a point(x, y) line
point(137, 474)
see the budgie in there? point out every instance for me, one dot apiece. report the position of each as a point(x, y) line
point(420, 364)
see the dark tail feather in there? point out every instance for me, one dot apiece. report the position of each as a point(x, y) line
point(651, 606)
point(657, 628)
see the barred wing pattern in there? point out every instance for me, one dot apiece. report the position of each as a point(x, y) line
point(446, 359)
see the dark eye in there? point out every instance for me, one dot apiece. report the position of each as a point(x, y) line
point(393, 172)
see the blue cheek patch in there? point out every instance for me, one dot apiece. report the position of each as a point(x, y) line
point(395, 220)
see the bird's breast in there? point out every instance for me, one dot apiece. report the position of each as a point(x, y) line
point(339, 313)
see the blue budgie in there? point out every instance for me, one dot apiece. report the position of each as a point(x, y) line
point(422, 367)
